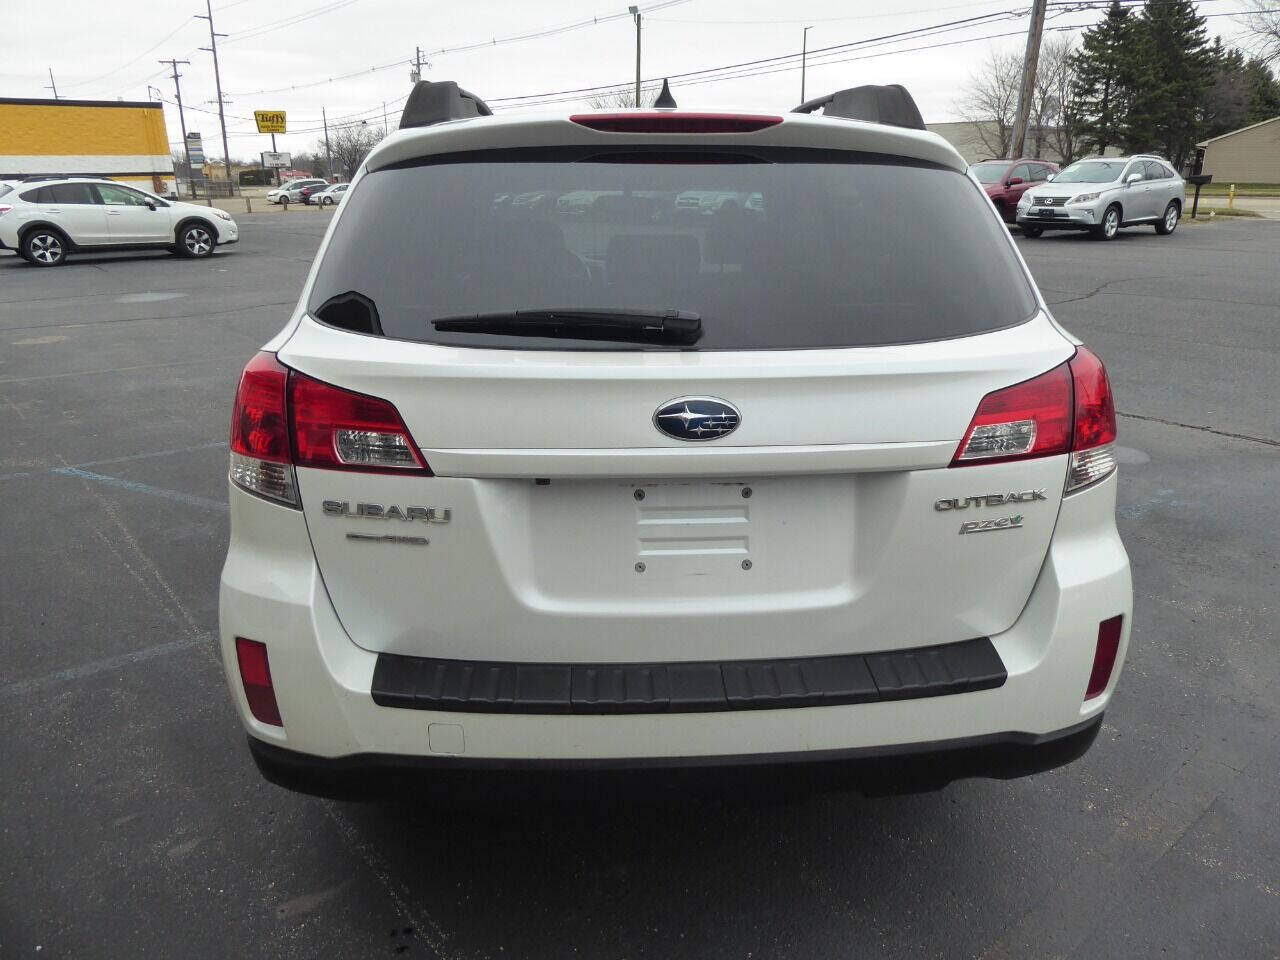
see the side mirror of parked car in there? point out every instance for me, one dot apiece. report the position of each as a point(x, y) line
point(1013, 181)
point(151, 205)
point(1132, 178)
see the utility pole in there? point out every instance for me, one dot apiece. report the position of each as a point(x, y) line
point(328, 153)
point(217, 79)
point(53, 84)
point(182, 120)
point(804, 56)
point(417, 65)
point(635, 12)
point(1018, 142)
point(384, 119)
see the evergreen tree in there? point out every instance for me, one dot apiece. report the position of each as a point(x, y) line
point(1174, 66)
point(1264, 92)
point(1103, 79)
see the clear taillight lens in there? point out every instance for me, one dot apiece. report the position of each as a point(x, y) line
point(260, 457)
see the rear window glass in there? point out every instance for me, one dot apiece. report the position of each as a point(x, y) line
point(774, 249)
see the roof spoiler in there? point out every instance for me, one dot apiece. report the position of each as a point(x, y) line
point(437, 102)
point(889, 104)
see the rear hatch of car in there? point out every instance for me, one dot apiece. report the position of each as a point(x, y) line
point(852, 319)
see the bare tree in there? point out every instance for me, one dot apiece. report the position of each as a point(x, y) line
point(350, 145)
point(1053, 110)
point(622, 99)
point(990, 101)
point(1262, 21)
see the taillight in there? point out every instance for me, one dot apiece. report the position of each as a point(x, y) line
point(337, 429)
point(660, 122)
point(1104, 656)
point(1029, 419)
point(255, 674)
point(4, 209)
point(283, 418)
point(260, 459)
point(1093, 452)
point(1067, 410)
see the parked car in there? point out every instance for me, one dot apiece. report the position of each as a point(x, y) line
point(48, 220)
point(332, 195)
point(1103, 194)
point(309, 192)
point(1005, 181)
point(291, 190)
point(511, 488)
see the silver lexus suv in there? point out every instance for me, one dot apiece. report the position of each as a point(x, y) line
point(1103, 194)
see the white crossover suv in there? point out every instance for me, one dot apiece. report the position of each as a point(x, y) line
point(814, 478)
point(44, 221)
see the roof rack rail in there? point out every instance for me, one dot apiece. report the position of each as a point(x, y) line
point(890, 104)
point(437, 102)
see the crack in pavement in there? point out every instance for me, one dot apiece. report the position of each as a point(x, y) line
point(1194, 426)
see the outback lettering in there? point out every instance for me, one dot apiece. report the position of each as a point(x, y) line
point(989, 500)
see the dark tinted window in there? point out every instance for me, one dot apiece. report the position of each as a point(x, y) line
point(989, 173)
point(39, 195)
point(781, 249)
point(71, 193)
point(1156, 171)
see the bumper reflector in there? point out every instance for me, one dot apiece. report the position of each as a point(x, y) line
point(1104, 657)
point(255, 674)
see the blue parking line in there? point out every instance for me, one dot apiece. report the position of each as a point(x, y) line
point(146, 488)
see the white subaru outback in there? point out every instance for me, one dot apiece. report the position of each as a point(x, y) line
point(813, 477)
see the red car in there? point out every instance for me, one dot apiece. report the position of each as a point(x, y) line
point(323, 186)
point(1007, 180)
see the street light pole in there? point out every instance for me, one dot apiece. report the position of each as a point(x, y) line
point(804, 56)
point(635, 12)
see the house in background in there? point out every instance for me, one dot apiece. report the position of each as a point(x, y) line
point(1248, 155)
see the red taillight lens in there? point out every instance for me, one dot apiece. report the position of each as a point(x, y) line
point(1067, 410)
point(1104, 656)
point(657, 122)
point(337, 429)
point(4, 208)
point(259, 423)
point(255, 674)
point(1029, 419)
point(1095, 409)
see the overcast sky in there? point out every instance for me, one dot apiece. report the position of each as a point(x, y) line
point(282, 54)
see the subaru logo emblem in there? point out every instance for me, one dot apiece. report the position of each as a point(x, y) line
point(696, 418)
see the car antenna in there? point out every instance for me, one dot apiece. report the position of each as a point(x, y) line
point(665, 100)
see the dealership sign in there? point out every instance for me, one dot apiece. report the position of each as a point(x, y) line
point(277, 160)
point(195, 149)
point(269, 121)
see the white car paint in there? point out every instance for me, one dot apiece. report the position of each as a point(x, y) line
point(119, 216)
point(845, 451)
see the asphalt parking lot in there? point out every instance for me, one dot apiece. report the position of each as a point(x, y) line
point(134, 823)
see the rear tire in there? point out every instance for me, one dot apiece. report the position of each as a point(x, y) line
point(45, 247)
point(1110, 225)
point(1031, 233)
point(195, 240)
point(1169, 222)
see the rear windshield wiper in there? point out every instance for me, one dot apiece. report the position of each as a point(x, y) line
point(645, 326)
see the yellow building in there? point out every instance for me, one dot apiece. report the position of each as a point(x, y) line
point(124, 140)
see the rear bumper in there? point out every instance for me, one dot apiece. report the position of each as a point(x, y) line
point(895, 769)
point(272, 591)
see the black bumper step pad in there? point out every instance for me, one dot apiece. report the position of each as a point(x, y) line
point(471, 686)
